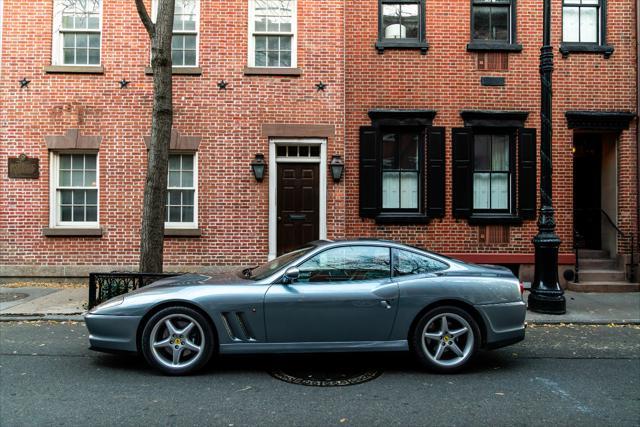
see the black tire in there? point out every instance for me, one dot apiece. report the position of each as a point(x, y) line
point(426, 349)
point(199, 336)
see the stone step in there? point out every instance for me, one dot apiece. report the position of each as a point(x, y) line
point(593, 253)
point(603, 286)
point(597, 264)
point(602, 275)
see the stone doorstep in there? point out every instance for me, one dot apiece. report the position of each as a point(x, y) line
point(603, 286)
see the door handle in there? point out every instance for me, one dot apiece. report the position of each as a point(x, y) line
point(385, 304)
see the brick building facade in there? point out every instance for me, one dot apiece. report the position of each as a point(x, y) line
point(432, 105)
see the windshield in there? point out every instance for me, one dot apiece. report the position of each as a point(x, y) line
point(266, 270)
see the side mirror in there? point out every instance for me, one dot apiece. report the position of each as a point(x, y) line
point(291, 275)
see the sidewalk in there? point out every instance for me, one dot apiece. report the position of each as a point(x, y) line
point(31, 303)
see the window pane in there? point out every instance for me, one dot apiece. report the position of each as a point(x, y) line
point(261, 43)
point(261, 59)
point(347, 263)
point(66, 197)
point(500, 153)
point(174, 214)
point(499, 191)
point(78, 213)
point(94, 40)
point(174, 179)
point(482, 152)
point(90, 162)
point(273, 43)
point(285, 43)
point(94, 22)
point(272, 59)
point(481, 182)
point(65, 213)
point(78, 197)
point(285, 59)
point(65, 161)
point(570, 24)
point(409, 190)
point(481, 20)
point(187, 162)
point(500, 23)
point(77, 161)
point(389, 151)
point(261, 23)
point(69, 40)
point(69, 56)
point(81, 56)
point(90, 179)
point(189, 57)
point(174, 163)
point(77, 179)
point(91, 197)
point(292, 151)
point(315, 151)
point(187, 179)
point(177, 57)
point(173, 197)
point(407, 263)
point(410, 20)
point(187, 197)
point(190, 42)
point(390, 190)
point(92, 213)
point(177, 42)
point(408, 156)
point(281, 151)
point(588, 24)
point(65, 178)
point(391, 22)
point(187, 214)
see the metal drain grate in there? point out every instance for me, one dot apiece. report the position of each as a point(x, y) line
point(324, 377)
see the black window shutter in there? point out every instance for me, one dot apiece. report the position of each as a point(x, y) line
point(527, 174)
point(369, 173)
point(435, 172)
point(462, 172)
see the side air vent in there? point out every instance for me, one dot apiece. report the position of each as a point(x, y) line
point(237, 326)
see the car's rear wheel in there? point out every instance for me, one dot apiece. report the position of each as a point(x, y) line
point(177, 340)
point(446, 339)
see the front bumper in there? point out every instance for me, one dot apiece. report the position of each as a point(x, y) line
point(112, 333)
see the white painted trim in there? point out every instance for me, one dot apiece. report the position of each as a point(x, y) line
point(194, 224)
point(273, 186)
point(251, 58)
point(54, 214)
point(57, 56)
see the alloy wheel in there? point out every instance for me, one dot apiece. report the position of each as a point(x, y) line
point(447, 340)
point(177, 341)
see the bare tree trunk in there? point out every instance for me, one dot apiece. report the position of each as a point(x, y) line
point(155, 189)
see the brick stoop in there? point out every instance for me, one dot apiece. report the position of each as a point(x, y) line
point(600, 273)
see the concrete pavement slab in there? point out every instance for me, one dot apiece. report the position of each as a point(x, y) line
point(68, 301)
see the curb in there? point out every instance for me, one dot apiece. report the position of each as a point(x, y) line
point(583, 322)
point(76, 317)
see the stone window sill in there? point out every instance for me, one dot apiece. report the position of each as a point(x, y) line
point(401, 218)
point(185, 71)
point(182, 232)
point(381, 45)
point(272, 71)
point(504, 219)
point(74, 69)
point(567, 48)
point(72, 232)
point(482, 46)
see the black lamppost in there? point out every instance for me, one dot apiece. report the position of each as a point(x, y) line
point(546, 294)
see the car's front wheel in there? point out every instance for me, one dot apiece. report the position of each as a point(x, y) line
point(177, 340)
point(446, 339)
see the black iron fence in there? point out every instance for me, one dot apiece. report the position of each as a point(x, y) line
point(103, 286)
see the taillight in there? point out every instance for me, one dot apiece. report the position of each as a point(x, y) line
point(521, 288)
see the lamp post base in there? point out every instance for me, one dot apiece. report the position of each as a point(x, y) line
point(547, 302)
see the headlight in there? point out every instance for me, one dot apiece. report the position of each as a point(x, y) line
point(108, 304)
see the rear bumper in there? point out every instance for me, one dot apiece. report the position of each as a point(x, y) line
point(112, 333)
point(504, 322)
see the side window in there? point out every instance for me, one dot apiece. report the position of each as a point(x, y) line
point(347, 263)
point(407, 263)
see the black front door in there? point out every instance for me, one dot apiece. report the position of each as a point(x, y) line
point(587, 189)
point(298, 205)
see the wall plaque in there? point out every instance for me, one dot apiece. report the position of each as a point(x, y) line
point(24, 167)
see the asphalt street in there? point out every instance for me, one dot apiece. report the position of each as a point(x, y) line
point(560, 375)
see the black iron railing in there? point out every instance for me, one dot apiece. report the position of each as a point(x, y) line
point(103, 286)
point(578, 243)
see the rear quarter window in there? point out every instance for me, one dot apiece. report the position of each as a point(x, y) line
point(406, 263)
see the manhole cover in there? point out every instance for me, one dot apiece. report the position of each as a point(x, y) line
point(326, 378)
point(12, 296)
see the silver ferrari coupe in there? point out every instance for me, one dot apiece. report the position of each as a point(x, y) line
point(359, 295)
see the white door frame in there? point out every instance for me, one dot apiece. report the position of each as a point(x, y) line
point(273, 185)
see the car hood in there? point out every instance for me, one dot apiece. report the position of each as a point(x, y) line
point(228, 278)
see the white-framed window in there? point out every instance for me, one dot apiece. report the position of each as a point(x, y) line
point(74, 190)
point(186, 30)
point(77, 32)
point(182, 191)
point(272, 33)
point(581, 21)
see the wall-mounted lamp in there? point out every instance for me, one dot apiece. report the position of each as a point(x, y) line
point(258, 166)
point(337, 167)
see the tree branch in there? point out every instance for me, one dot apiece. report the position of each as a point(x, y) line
point(145, 18)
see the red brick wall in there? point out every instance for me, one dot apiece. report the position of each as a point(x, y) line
point(233, 207)
point(446, 79)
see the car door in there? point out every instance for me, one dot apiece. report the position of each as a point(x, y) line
point(344, 293)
